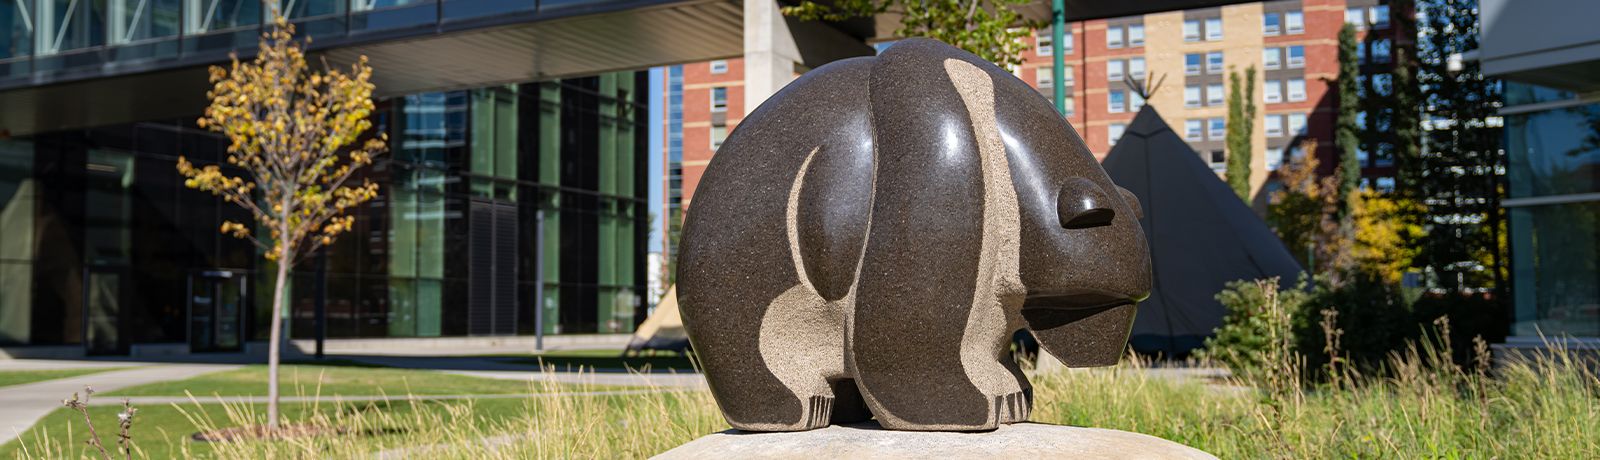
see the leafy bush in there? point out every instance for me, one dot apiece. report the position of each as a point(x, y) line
point(1369, 319)
point(1258, 332)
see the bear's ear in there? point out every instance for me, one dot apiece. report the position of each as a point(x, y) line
point(1133, 202)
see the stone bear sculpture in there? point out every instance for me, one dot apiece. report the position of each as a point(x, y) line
point(867, 241)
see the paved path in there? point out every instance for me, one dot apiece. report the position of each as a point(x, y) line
point(163, 400)
point(23, 405)
point(59, 364)
point(663, 380)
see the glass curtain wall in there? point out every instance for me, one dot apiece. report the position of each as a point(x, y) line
point(1553, 169)
point(483, 189)
point(65, 25)
point(16, 241)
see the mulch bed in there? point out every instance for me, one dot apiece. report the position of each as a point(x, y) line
point(262, 433)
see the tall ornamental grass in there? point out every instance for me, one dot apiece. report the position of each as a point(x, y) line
point(1423, 406)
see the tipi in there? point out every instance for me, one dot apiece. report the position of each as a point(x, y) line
point(1201, 236)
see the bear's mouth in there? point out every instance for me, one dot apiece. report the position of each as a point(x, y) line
point(1048, 311)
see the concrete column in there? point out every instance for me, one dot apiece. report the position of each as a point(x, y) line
point(770, 54)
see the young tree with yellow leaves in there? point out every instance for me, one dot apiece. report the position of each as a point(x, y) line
point(289, 127)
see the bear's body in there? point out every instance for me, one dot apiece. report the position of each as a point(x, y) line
point(867, 241)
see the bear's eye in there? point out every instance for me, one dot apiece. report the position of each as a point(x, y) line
point(1082, 204)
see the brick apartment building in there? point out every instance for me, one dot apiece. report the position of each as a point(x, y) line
point(1293, 45)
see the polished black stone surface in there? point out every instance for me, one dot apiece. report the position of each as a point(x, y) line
point(865, 243)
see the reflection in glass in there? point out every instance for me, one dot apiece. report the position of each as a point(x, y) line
point(16, 240)
point(308, 8)
point(66, 25)
point(364, 5)
point(1554, 152)
point(108, 209)
point(134, 20)
point(1557, 283)
point(104, 308)
point(202, 16)
point(16, 19)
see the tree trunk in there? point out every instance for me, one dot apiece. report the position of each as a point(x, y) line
point(274, 343)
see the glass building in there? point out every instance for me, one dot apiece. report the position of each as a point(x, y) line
point(500, 208)
point(1553, 148)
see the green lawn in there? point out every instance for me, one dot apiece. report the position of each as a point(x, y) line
point(605, 359)
point(163, 431)
point(305, 379)
point(8, 378)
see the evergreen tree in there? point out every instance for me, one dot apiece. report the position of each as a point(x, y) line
point(1406, 100)
point(1241, 127)
point(1405, 97)
point(1347, 128)
point(1461, 165)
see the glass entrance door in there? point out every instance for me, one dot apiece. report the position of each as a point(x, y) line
point(103, 301)
point(216, 311)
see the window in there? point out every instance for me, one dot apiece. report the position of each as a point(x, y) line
point(1356, 17)
point(1380, 51)
point(1070, 106)
point(1219, 128)
point(1218, 160)
point(1136, 68)
point(1294, 22)
point(1113, 37)
point(719, 66)
point(1214, 94)
point(1135, 102)
point(1114, 70)
point(1270, 24)
point(1274, 125)
point(1297, 56)
point(1114, 132)
point(1191, 64)
point(1135, 35)
point(1191, 96)
point(1117, 102)
point(1385, 184)
point(1066, 43)
point(1214, 62)
point(1297, 124)
point(1273, 90)
point(1271, 58)
point(1044, 76)
point(1274, 159)
point(1297, 89)
point(718, 134)
point(1045, 36)
point(1066, 76)
point(1361, 86)
point(1191, 31)
point(1380, 16)
point(1214, 29)
point(1192, 129)
point(1361, 53)
point(1383, 84)
point(719, 99)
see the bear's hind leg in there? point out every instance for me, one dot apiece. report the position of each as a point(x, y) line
point(801, 342)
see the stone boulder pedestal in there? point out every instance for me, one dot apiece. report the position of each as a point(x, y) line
point(869, 441)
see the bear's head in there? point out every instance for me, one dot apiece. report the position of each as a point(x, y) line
point(1083, 257)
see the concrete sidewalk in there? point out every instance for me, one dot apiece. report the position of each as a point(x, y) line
point(182, 400)
point(660, 380)
point(23, 405)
